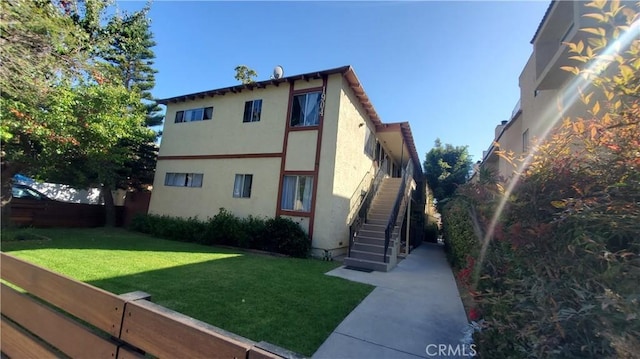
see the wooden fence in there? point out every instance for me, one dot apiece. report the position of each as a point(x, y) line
point(57, 316)
point(49, 213)
point(29, 212)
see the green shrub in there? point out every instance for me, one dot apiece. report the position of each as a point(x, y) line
point(459, 238)
point(279, 235)
point(224, 228)
point(287, 235)
point(254, 228)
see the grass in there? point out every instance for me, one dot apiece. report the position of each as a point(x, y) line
point(285, 301)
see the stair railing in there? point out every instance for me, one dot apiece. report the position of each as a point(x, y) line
point(361, 215)
point(399, 203)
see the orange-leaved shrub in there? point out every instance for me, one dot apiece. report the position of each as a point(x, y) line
point(561, 273)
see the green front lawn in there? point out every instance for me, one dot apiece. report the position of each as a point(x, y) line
point(285, 301)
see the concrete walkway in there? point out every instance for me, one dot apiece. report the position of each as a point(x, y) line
point(415, 305)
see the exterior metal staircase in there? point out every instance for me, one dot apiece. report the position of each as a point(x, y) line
point(367, 250)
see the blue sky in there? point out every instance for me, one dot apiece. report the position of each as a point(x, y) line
point(449, 68)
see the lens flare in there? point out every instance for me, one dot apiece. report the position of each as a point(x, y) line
point(551, 116)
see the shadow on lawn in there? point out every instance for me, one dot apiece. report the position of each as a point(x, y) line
point(285, 301)
point(290, 304)
point(103, 239)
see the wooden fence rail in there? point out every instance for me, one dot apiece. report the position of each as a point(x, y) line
point(53, 316)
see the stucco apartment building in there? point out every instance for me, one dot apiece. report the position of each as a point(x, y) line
point(307, 147)
point(547, 92)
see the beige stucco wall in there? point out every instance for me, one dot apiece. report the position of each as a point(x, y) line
point(303, 84)
point(217, 188)
point(301, 150)
point(226, 133)
point(343, 166)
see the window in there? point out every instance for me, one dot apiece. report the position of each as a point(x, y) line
point(296, 193)
point(183, 179)
point(525, 141)
point(242, 186)
point(369, 143)
point(306, 110)
point(252, 111)
point(196, 114)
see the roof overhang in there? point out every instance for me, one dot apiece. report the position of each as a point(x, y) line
point(259, 85)
point(544, 19)
point(397, 139)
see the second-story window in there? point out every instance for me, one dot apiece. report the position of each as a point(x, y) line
point(306, 109)
point(196, 114)
point(252, 111)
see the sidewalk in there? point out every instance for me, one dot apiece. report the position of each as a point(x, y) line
point(414, 305)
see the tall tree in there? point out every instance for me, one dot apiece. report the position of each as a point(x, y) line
point(62, 110)
point(130, 58)
point(446, 167)
point(101, 117)
point(131, 55)
point(40, 46)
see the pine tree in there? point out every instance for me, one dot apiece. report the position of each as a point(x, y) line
point(130, 57)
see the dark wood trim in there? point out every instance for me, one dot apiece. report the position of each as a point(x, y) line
point(299, 173)
point(314, 172)
point(310, 89)
point(221, 157)
point(316, 168)
point(286, 212)
point(283, 160)
point(304, 128)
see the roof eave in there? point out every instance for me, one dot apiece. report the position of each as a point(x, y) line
point(254, 85)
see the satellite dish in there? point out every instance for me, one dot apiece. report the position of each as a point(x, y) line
point(278, 71)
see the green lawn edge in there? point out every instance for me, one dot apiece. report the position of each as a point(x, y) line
point(288, 302)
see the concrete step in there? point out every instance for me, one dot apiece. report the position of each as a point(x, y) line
point(376, 257)
point(383, 204)
point(368, 240)
point(374, 227)
point(379, 214)
point(377, 221)
point(388, 205)
point(371, 248)
point(386, 195)
point(370, 234)
point(366, 264)
point(375, 231)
